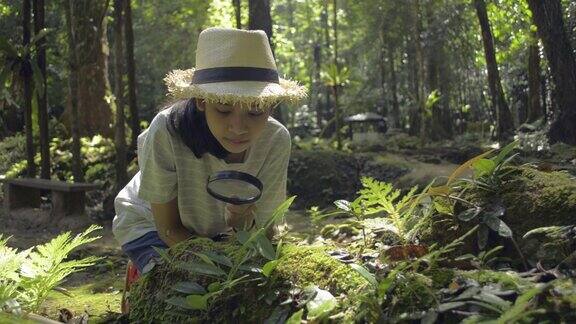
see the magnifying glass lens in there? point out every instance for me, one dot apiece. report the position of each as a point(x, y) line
point(234, 188)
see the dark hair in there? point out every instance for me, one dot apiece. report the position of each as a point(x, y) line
point(190, 123)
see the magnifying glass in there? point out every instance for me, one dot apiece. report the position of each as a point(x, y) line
point(234, 187)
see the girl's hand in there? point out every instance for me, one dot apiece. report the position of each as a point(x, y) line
point(240, 217)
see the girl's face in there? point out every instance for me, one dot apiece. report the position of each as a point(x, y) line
point(235, 128)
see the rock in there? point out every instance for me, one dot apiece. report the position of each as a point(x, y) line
point(549, 245)
point(530, 198)
point(321, 177)
point(249, 302)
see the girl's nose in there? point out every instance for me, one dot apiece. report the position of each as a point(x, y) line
point(237, 123)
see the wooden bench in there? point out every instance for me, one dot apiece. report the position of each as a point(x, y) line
point(67, 198)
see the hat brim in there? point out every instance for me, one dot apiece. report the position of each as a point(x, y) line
point(249, 93)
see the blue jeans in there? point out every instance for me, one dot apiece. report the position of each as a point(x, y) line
point(140, 250)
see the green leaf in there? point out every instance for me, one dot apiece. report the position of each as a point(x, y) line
point(386, 283)
point(483, 167)
point(278, 249)
point(269, 267)
point(200, 268)
point(279, 212)
point(465, 257)
point(443, 208)
point(198, 302)
point(504, 152)
point(322, 304)
point(189, 287)
point(482, 237)
point(365, 273)
point(215, 286)
point(450, 305)
point(204, 258)
point(469, 214)
point(493, 300)
point(343, 205)
point(265, 247)
point(498, 226)
point(178, 301)
point(219, 258)
point(163, 253)
point(242, 237)
point(296, 318)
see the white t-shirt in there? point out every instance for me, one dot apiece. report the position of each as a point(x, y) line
point(168, 168)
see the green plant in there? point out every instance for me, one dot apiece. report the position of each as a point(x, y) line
point(28, 276)
point(228, 271)
point(483, 260)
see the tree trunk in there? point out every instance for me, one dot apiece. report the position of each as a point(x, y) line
point(119, 140)
point(42, 97)
point(535, 110)
point(26, 74)
point(420, 113)
point(238, 13)
point(259, 18)
point(73, 89)
point(316, 85)
point(548, 18)
point(338, 121)
point(93, 86)
point(393, 87)
point(383, 109)
point(328, 113)
point(131, 71)
point(504, 122)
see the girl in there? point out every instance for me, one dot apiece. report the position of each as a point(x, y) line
point(220, 121)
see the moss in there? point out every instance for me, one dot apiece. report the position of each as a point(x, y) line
point(441, 277)
point(298, 267)
point(508, 280)
point(90, 298)
point(534, 199)
point(336, 173)
point(412, 293)
point(346, 229)
point(312, 265)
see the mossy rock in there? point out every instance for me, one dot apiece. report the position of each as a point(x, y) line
point(322, 176)
point(535, 199)
point(531, 199)
point(251, 302)
point(549, 245)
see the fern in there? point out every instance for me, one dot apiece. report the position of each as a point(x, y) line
point(27, 277)
point(377, 196)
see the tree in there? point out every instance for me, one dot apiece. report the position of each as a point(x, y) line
point(260, 18)
point(549, 21)
point(535, 109)
point(119, 138)
point(131, 71)
point(41, 94)
point(238, 13)
point(504, 121)
point(73, 65)
point(94, 111)
point(26, 73)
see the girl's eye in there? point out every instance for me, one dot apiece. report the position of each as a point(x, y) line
point(255, 113)
point(223, 112)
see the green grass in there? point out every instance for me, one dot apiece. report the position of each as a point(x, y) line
point(97, 298)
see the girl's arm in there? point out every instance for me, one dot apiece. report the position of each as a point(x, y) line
point(168, 223)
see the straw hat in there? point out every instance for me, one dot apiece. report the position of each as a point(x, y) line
point(233, 66)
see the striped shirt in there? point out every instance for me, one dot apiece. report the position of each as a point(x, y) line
point(169, 169)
